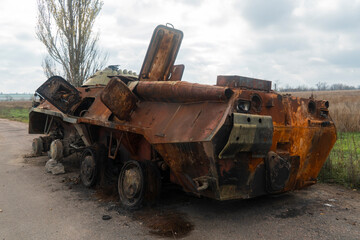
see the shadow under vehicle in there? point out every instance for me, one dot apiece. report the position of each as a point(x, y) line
point(238, 139)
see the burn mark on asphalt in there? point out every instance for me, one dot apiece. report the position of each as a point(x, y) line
point(168, 223)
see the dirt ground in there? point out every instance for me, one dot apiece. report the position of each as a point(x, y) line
point(38, 205)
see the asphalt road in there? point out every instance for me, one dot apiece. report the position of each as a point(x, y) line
point(38, 205)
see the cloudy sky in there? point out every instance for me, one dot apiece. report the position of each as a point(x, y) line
point(291, 42)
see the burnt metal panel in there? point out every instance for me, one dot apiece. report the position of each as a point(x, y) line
point(179, 122)
point(60, 93)
point(278, 171)
point(161, 54)
point(119, 98)
point(243, 82)
point(177, 72)
point(250, 133)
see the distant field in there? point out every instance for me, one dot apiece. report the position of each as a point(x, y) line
point(344, 107)
point(16, 96)
point(15, 110)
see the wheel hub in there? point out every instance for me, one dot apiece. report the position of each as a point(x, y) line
point(88, 168)
point(132, 183)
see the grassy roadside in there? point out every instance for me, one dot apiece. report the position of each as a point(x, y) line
point(17, 111)
point(343, 165)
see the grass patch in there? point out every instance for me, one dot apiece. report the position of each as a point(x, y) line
point(17, 111)
point(343, 164)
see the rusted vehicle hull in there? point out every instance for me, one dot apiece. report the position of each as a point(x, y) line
point(238, 139)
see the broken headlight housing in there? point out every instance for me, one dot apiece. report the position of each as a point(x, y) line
point(243, 106)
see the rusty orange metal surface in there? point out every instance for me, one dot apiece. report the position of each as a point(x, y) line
point(161, 54)
point(176, 91)
point(119, 98)
point(186, 125)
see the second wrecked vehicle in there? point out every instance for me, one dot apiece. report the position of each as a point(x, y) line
point(238, 139)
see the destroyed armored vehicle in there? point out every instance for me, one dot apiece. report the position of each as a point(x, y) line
point(238, 139)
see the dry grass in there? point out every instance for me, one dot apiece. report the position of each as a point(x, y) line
point(15, 104)
point(344, 107)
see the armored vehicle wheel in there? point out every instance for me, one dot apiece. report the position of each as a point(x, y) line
point(139, 182)
point(57, 150)
point(131, 185)
point(89, 167)
point(37, 146)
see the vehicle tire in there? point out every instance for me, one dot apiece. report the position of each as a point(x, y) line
point(139, 183)
point(131, 185)
point(57, 150)
point(37, 146)
point(89, 167)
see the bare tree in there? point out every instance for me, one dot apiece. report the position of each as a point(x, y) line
point(65, 28)
point(322, 86)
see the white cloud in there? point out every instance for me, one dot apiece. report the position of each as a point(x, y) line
point(20, 51)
